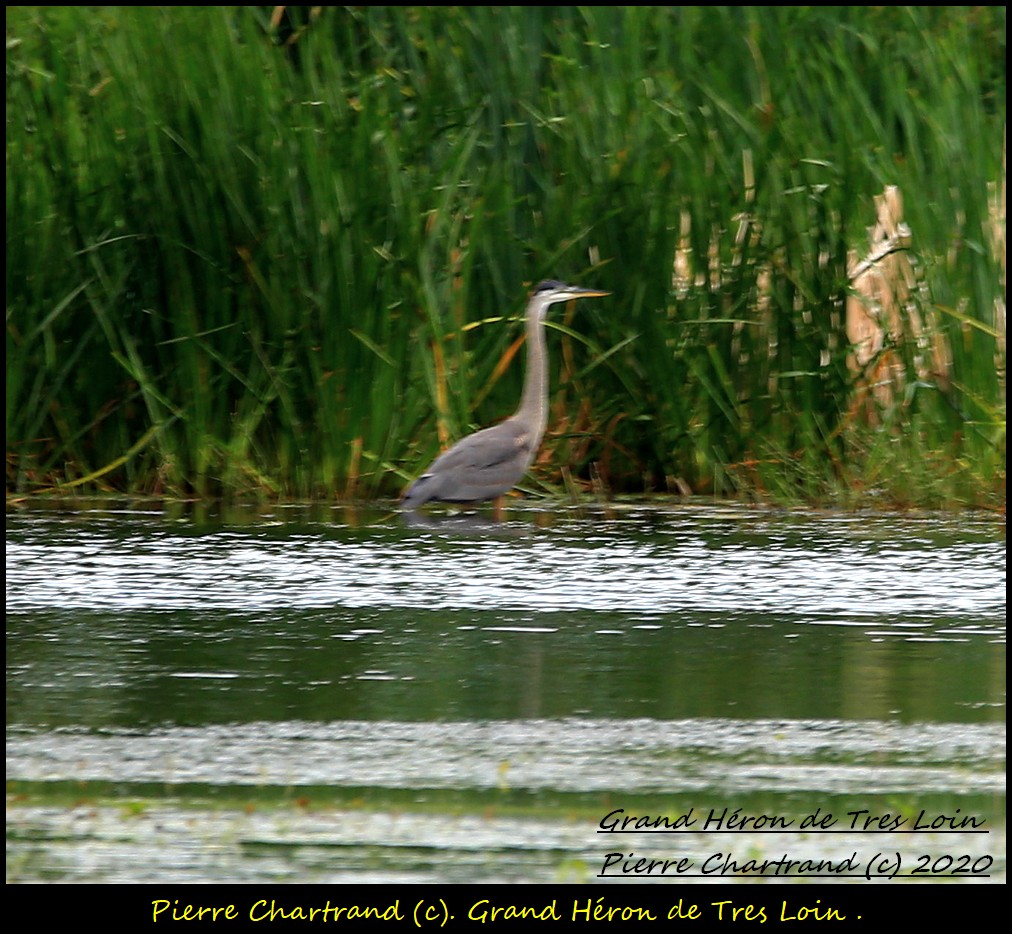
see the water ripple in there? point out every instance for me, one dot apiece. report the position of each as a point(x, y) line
point(817, 571)
point(570, 755)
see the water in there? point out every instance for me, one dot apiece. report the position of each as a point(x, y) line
point(301, 694)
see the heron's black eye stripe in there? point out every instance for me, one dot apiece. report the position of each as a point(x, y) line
point(548, 285)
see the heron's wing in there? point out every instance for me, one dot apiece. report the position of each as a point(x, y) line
point(505, 443)
point(481, 466)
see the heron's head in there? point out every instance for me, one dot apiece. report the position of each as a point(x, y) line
point(550, 291)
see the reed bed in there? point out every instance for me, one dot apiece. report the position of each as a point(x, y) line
point(287, 258)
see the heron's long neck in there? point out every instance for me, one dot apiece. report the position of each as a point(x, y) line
point(533, 409)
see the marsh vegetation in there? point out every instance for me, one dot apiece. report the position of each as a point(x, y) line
point(288, 259)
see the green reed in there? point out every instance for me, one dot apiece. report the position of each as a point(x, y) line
point(239, 268)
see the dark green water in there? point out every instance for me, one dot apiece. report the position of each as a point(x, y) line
point(330, 695)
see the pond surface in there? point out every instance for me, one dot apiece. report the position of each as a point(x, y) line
point(334, 695)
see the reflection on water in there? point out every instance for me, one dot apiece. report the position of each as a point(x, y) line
point(832, 569)
point(452, 664)
point(836, 757)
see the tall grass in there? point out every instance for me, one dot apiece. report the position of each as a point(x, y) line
point(238, 268)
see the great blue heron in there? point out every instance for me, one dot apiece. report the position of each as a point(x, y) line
point(491, 461)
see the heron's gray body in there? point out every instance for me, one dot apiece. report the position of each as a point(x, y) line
point(477, 471)
point(492, 461)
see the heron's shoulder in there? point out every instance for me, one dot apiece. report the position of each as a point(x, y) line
point(486, 448)
point(511, 433)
